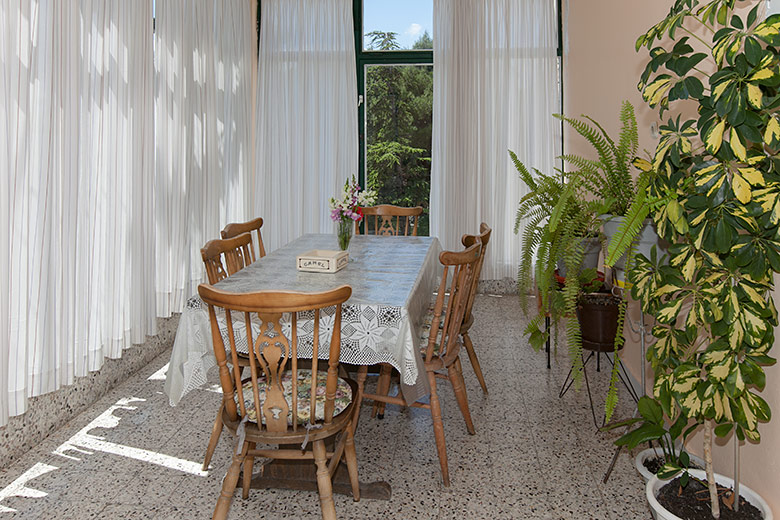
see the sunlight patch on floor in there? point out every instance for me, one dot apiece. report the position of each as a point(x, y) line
point(18, 487)
point(85, 443)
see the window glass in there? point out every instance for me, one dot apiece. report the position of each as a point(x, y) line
point(397, 24)
point(399, 114)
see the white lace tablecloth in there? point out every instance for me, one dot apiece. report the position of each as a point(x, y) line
point(392, 280)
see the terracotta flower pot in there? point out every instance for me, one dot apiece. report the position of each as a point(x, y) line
point(598, 317)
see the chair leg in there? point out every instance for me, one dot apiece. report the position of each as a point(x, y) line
point(324, 484)
point(249, 461)
point(216, 431)
point(229, 486)
point(361, 383)
point(351, 455)
point(455, 373)
point(438, 430)
point(474, 361)
point(382, 388)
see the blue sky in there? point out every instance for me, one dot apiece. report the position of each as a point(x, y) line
point(408, 18)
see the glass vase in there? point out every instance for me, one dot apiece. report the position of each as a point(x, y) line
point(344, 233)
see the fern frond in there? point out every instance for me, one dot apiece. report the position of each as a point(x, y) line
point(628, 141)
point(531, 239)
point(629, 229)
point(597, 139)
point(525, 175)
point(581, 163)
point(560, 207)
point(574, 345)
point(609, 159)
point(612, 395)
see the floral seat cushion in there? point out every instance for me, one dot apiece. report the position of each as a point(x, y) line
point(341, 402)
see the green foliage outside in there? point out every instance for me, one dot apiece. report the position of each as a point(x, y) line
point(399, 114)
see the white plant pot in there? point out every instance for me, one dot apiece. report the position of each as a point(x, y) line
point(661, 513)
point(590, 257)
point(643, 244)
point(650, 453)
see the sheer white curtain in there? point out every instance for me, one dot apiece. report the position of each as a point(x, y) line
point(306, 115)
point(495, 87)
point(76, 218)
point(205, 51)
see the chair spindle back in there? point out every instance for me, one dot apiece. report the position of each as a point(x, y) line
point(468, 241)
point(236, 252)
point(265, 317)
point(451, 301)
point(389, 220)
point(237, 228)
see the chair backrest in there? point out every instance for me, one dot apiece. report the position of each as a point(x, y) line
point(388, 220)
point(260, 320)
point(237, 253)
point(451, 301)
point(468, 241)
point(237, 228)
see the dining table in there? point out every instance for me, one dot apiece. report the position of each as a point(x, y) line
point(393, 280)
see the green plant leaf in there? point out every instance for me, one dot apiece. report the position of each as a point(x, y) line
point(668, 471)
point(723, 429)
point(714, 137)
point(560, 207)
point(644, 433)
point(753, 51)
point(684, 458)
point(650, 410)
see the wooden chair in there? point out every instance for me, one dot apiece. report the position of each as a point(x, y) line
point(468, 320)
point(236, 251)
point(440, 335)
point(390, 220)
point(236, 228)
point(273, 405)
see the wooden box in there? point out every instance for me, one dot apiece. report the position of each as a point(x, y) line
point(322, 261)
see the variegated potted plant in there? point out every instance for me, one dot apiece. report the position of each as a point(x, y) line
point(713, 191)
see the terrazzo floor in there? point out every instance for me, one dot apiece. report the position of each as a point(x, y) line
point(131, 455)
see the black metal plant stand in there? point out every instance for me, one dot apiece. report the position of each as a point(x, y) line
point(569, 381)
point(547, 342)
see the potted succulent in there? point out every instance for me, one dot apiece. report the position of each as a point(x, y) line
point(713, 191)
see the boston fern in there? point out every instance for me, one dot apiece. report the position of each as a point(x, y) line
point(558, 212)
point(713, 190)
point(556, 216)
point(608, 176)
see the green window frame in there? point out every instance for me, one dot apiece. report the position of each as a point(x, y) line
point(363, 58)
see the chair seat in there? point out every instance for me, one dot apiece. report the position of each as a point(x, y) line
point(341, 402)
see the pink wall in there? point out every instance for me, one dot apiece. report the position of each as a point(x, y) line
point(601, 69)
